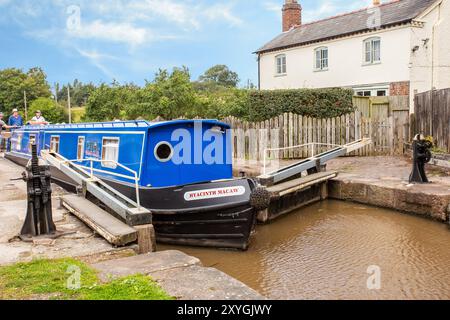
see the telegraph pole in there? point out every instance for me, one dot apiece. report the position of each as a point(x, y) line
point(68, 103)
point(56, 92)
point(25, 104)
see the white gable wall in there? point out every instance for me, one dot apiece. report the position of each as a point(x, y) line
point(345, 66)
point(442, 36)
point(431, 62)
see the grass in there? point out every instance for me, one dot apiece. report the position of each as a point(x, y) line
point(58, 279)
point(137, 287)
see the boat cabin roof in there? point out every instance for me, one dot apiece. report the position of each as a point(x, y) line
point(123, 124)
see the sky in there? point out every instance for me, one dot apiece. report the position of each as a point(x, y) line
point(130, 40)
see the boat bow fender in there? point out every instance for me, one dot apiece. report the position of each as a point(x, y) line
point(260, 198)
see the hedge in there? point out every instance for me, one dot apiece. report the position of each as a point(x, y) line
point(317, 103)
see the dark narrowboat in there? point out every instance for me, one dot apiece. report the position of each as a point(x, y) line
point(183, 169)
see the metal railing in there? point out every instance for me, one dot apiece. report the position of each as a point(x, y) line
point(313, 149)
point(91, 169)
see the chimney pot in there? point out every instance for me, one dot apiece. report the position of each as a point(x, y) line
point(376, 2)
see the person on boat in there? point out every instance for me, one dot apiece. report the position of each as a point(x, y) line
point(2, 123)
point(15, 120)
point(2, 127)
point(38, 119)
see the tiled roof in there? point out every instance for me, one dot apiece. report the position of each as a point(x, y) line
point(392, 13)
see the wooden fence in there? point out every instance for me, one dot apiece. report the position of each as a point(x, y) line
point(382, 107)
point(432, 116)
point(251, 140)
point(384, 119)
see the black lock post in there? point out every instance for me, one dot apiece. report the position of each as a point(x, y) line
point(421, 156)
point(39, 219)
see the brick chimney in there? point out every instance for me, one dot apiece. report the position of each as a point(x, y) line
point(292, 14)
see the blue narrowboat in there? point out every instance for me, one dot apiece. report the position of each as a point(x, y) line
point(183, 168)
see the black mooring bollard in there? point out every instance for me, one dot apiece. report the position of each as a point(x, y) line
point(39, 219)
point(421, 155)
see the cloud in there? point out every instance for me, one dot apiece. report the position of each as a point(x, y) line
point(272, 6)
point(96, 59)
point(115, 32)
point(222, 12)
point(125, 28)
point(174, 11)
point(325, 9)
point(328, 8)
point(133, 22)
point(187, 14)
point(320, 9)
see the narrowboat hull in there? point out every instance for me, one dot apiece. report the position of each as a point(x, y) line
point(213, 214)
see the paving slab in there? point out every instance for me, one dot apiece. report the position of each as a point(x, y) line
point(180, 275)
point(145, 264)
point(200, 283)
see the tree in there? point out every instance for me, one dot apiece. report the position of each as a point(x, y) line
point(79, 93)
point(13, 84)
point(222, 75)
point(107, 103)
point(169, 95)
point(51, 111)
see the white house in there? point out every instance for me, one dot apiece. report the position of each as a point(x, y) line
point(395, 48)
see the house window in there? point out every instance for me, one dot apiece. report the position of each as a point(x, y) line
point(281, 64)
point(80, 148)
point(110, 152)
point(372, 50)
point(54, 144)
point(321, 59)
point(372, 92)
point(31, 141)
point(364, 93)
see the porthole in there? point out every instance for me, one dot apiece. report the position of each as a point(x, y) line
point(163, 151)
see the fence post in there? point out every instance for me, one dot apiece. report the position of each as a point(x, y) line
point(391, 136)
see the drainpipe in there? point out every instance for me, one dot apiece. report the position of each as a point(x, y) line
point(259, 71)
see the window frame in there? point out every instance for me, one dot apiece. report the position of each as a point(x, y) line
point(52, 143)
point(371, 51)
point(373, 91)
point(29, 141)
point(155, 151)
point(106, 164)
point(321, 59)
point(83, 147)
point(283, 72)
point(18, 142)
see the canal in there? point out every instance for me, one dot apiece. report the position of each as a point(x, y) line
point(326, 250)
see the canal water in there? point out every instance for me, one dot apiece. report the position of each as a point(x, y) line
point(342, 250)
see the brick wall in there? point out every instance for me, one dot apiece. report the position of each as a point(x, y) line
point(399, 88)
